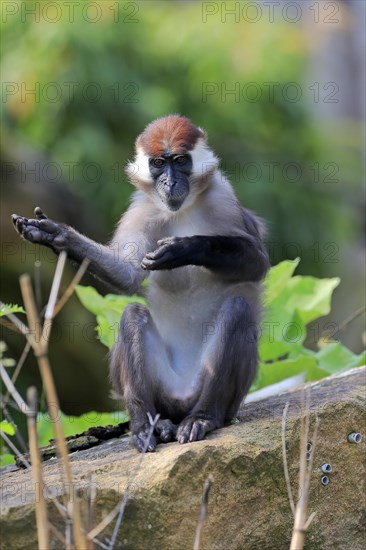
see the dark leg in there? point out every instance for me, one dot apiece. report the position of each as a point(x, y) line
point(136, 361)
point(229, 362)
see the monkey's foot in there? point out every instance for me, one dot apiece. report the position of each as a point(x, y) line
point(194, 428)
point(141, 440)
point(166, 430)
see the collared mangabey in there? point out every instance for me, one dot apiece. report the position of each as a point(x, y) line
point(192, 356)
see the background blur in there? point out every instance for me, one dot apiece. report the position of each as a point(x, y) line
point(279, 87)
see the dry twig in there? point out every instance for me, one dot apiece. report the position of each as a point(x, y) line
point(301, 522)
point(9, 324)
point(19, 325)
point(327, 336)
point(23, 407)
point(37, 284)
point(91, 510)
point(70, 289)
point(11, 421)
point(16, 451)
point(41, 508)
point(57, 533)
point(39, 341)
point(17, 369)
point(203, 512)
point(284, 459)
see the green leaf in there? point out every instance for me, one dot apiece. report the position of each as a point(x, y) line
point(5, 309)
point(6, 459)
point(90, 298)
point(298, 349)
point(107, 309)
point(336, 358)
point(309, 296)
point(277, 279)
point(281, 330)
point(269, 350)
point(107, 331)
point(275, 372)
point(7, 428)
point(97, 304)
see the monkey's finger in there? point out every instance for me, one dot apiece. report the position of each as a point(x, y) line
point(15, 218)
point(159, 263)
point(19, 223)
point(23, 224)
point(168, 240)
point(148, 264)
point(171, 247)
point(151, 255)
point(158, 253)
point(40, 215)
point(35, 235)
point(48, 225)
point(33, 223)
point(45, 224)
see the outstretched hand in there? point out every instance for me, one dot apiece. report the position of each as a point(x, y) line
point(40, 230)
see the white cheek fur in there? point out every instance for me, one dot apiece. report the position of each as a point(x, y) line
point(203, 160)
point(139, 169)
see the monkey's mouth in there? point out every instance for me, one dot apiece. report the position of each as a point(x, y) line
point(174, 204)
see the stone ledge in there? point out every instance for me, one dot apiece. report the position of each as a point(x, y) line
point(248, 506)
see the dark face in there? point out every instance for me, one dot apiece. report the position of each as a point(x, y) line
point(171, 176)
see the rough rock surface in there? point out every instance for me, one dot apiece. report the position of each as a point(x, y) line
point(248, 506)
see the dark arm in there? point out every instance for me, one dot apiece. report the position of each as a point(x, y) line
point(240, 257)
point(116, 264)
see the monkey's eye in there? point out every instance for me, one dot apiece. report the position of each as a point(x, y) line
point(158, 163)
point(180, 160)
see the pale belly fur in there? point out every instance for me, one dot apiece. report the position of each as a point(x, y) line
point(184, 304)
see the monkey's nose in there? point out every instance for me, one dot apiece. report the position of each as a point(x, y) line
point(170, 185)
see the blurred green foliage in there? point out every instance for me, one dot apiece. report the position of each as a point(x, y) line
point(98, 83)
point(73, 425)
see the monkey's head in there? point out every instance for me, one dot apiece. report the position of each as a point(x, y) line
point(172, 162)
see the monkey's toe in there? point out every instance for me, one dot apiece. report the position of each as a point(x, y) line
point(194, 429)
point(166, 431)
point(143, 443)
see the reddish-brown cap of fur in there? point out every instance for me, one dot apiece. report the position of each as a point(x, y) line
point(174, 134)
